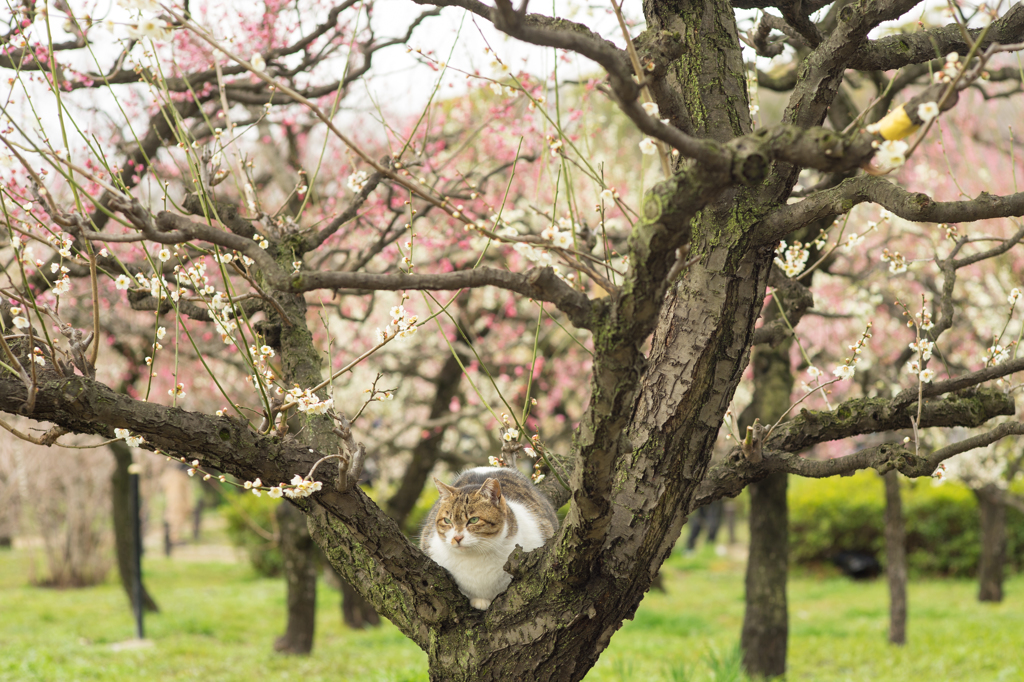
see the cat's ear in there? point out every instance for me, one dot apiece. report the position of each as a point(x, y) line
point(491, 490)
point(445, 490)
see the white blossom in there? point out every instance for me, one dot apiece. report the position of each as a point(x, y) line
point(891, 154)
point(648, 146)
point(257, 61)
point(793, 258)
point(927, 111)
point(150, 28)
point(123, 282)
point(651, 108)
point(843, 371)
point(357, 181)
point(923, 347)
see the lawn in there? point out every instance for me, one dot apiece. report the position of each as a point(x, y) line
point(219, 620)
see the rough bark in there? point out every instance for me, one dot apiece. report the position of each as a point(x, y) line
point(298, 552)
point(124, 546)
point(993, 544)
point(895, 559)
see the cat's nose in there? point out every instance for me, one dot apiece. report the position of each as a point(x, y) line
point(457, 539)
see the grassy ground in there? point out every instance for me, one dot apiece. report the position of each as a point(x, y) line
point(219, 620)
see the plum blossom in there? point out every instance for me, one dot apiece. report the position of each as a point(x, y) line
point(301, 487)
point(150, 28)
point(923, 347)
point(133, 441)
point(357, 181)
point(927, 111)
point(648, 146)
point(891, 155)
point(793, 258)
point(996, 354)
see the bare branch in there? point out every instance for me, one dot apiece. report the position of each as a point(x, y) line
point(538, 283)
point(918, 207)
point(895, 51)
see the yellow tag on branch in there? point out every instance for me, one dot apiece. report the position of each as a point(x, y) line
point(896, 125)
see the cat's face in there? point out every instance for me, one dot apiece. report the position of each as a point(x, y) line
point(470, 517)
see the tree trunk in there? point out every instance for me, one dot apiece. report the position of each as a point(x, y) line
point(120, 490)
point(765, 632)
point(993, 544)
point(766, 619)
point(300, 574)
point(896, 559)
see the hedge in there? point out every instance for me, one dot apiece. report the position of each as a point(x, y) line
point(831, 515)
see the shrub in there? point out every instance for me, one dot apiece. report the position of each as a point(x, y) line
point(253, 527)
point(837, 514)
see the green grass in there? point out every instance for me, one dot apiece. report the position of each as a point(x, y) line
point(219, 621)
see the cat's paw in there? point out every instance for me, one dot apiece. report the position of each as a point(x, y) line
point(481, 604)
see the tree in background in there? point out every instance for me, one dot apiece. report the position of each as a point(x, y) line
point(198, 187)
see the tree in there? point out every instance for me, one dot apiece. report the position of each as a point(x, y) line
point(988, 472)
point(223, 221)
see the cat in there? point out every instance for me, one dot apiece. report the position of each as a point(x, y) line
point(478, 521)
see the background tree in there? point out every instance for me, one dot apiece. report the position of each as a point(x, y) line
point(268, 287)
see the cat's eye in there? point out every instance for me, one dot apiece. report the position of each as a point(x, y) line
point(474, 519)
point(447, 520)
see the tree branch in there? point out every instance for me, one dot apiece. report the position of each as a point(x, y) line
point(858, 417)
point(895, 51)
point(538, 283)
point(917, 207)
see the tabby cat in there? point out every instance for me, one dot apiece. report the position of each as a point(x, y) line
point(478, 521)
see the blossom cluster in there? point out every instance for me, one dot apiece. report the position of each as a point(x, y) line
point(306, 401)
point(20, 321)
point(949, 70)
point(896, 260)
point(299, 487)
point(792, 258)
point(891, 155)
point(846, 370)
point(560, 238)
point(133, 441)
point(996, 354)
point(403, 325)
point(357, 181)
